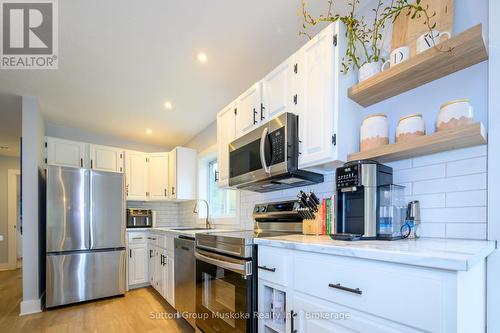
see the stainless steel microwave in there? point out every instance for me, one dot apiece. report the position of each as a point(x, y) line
point(266, 159)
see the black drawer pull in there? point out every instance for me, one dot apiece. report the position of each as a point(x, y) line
point(340, 287)
point(292, 323)
point(267, 268)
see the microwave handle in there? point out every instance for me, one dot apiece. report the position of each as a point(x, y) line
point(263, 137)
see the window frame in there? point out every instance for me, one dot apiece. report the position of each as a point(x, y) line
point(204, 159)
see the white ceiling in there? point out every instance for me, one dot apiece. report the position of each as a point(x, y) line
point(119, 61)
point(10, 124)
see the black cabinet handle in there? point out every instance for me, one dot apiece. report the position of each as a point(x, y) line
point(341, 287)
point(130, 253)
point(81, 162)
point(150, 253)
point(254, 114)
point(267, 268)
point(292, 323)
point(262, 108)
point(165, 191)
point(91, 164)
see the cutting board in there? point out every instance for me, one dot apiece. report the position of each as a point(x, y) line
point(406, 31)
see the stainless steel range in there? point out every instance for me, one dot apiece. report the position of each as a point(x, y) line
point(226, 269)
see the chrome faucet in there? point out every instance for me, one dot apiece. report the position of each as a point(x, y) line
point(208, 225)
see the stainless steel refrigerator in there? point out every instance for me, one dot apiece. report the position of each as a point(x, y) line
point(85, 235)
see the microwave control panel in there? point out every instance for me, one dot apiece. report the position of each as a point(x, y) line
point(277, 140)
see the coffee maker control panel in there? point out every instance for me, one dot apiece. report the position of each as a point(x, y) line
point(348, 176)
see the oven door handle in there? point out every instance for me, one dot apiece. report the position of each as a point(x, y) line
point(263, 137)
point(245, 269)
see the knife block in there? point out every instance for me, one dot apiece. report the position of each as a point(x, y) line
point(313, 227)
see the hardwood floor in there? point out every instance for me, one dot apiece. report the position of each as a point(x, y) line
point(140, 310)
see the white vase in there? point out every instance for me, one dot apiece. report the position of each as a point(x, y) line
point(374, 132)
point(368, 70)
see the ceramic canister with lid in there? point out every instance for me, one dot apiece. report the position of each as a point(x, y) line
point(374, 132)
point(410, 127)
point(455, 114)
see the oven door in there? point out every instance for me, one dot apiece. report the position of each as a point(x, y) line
point(264, 152)
point(225, 301)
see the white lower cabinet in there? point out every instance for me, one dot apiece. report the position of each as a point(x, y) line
point(329, 293)
point(137, 265)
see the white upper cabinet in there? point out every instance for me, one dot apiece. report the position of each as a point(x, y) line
point(249, 111)
point(278, 89)
point(103, 158)
point(182, 166)
point(137, 175)
point(226, 133)
point(328, 120)
point(66, 153)
point(158, 176)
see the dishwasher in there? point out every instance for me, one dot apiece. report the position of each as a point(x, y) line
point(185, 278)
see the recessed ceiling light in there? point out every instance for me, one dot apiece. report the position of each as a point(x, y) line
point(168, 105)
point(148, 131)
point(202, 57)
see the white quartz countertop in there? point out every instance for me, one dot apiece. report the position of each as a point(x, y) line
point(449, 254)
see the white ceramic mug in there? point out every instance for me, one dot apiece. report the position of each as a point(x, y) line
point(424, 42)
point(397, 56)
point(368, 70)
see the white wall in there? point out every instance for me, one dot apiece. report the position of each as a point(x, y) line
point(76, 134)
point(33, 132)
point(204, 139)
point(493, 267)
point(6, 163)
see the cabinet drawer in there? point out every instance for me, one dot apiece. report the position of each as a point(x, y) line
point(161, 241)
point(136, 237)
point(395, 292)
point(274, 265)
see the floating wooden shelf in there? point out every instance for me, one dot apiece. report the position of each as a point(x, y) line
point(465, 50)
point(462, 137)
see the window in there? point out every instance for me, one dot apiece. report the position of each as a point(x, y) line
point(222, 201)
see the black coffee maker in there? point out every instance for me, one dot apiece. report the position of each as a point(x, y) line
point(357, 199)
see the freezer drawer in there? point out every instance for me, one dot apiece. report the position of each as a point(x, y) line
point(84, 276)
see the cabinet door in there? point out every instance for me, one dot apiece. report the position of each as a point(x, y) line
point(136, 171)
point(248, 109)
point(158, 176)
point(170, 281)
point(172, 174)
point(315, 94)
point(66, 153)
point(226, 133)
point(104, 158)
point(138, 264)
point(278, 89)
point(182, 166)
point(152, 264)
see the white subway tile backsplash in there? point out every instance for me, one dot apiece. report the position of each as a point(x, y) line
point(400, 165)
point(466, 230)
point(454, 215)
point(429, 200)
point(466, 199)
point(452, 184)
point(421, 173)
point(466, 167)
point(452, 155)
point(434, 230)
point(451, 187)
